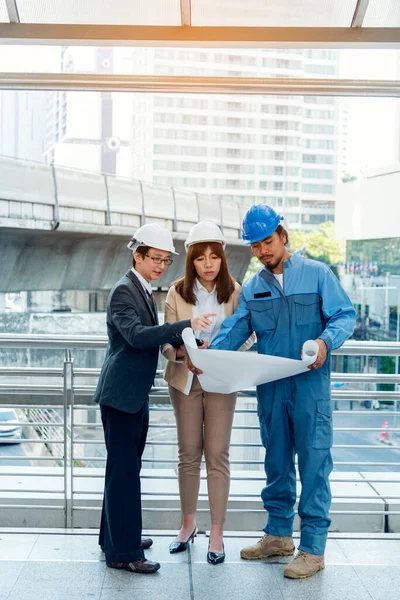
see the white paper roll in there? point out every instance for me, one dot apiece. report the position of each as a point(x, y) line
point(310, 351)
point(226, 372)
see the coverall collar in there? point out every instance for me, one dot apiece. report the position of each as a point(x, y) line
point(290, 262)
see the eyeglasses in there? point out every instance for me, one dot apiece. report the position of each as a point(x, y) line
point(158, 261)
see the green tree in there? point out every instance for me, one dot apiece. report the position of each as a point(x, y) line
point(319, 244)
point(347, 178)
point(322, 244)
point(387, 366)
point(253, 267)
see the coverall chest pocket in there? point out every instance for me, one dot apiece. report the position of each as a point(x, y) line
point(262, 315)
point(307, 310)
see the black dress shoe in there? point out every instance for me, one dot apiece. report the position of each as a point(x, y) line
point(145, 544)
point(215, 558)
point(175, 547)
point(142, 565)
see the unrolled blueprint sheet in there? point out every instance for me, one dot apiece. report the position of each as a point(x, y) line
point(225, 371)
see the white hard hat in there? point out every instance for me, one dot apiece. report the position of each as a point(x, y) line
point(152, 235)
point(205, 231)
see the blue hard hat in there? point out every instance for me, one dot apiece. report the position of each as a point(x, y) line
point(259, 222)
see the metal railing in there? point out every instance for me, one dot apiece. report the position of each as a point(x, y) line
point(55, 423)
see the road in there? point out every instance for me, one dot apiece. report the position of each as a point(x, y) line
point(384, 453)
point(12, 450)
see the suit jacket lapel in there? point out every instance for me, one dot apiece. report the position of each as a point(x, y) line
point(139, 287)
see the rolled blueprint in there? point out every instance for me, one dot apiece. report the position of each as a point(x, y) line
point(225, 371)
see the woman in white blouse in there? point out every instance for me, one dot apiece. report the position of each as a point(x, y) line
point(204, 420)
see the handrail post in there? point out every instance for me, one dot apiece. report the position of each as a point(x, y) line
point(221, 213)
point(175, 224)
point(198, 206)
point(56, 210)
point(108, 210)
point(143, 215)
point(72, 436)
point(68, 395)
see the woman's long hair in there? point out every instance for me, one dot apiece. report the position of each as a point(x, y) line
point(224, 280)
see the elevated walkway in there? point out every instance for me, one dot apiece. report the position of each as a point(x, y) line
point(68, 565)
point(35, 497)
point(64, 229)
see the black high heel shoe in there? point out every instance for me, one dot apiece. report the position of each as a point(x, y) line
point(175, 547)
point(215, 558)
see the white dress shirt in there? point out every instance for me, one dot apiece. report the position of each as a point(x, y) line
point(206, 302)
point(145, 284)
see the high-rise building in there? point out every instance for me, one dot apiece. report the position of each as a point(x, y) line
point(276, 149)
point(343, 167)
point(82, 129)
point(23, 114)
point(22, 122)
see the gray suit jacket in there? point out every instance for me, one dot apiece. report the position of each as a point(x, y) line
point(134, 338)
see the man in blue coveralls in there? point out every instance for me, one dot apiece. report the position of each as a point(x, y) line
point(291, 300)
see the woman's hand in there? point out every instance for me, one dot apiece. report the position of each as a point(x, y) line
point(189, 363)
point(192, 368)
point(202, 322)
point(204, 346)
point(181, 352)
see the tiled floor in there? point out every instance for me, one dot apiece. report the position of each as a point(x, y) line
point(65, 565)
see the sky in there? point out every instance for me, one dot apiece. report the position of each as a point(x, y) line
point(374, 127)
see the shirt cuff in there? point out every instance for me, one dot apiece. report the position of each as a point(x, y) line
point(325, 337)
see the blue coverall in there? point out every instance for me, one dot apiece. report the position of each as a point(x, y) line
point(295, 413)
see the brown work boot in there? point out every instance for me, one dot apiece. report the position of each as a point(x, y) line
point(304, 565)
point(269, 545)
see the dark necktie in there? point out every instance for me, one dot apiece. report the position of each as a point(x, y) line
point(153, 305)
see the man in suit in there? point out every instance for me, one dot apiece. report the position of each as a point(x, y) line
point(123, 393)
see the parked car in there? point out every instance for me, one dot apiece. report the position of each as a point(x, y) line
point(9, 427)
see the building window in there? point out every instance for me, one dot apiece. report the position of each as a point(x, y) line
point(326, 129)
point(307, 219)
point(321, 144)
point(315, 188)
point(317, 174)
point(320, 69)
point(318, 158)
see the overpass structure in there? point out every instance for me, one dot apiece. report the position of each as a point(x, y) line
point(63, 229)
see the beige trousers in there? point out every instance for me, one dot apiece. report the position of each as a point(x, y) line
point(204, 423)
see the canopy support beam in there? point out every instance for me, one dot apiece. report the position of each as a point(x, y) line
point(199, 85)
point(227, 37)
point(186, 13)
point(12, 11)
point(359, 13)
